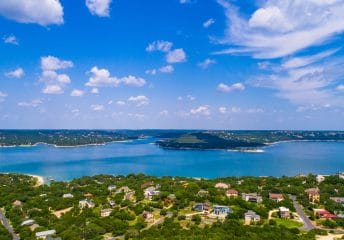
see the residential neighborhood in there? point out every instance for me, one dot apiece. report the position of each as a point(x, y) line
point(130, 207)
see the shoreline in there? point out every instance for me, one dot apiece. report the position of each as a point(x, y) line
point(40, 179)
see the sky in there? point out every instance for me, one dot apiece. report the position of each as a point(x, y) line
point(174, 64)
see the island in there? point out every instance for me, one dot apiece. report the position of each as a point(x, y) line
point(145, 207)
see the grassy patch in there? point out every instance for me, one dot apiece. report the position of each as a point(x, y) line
point(189, 139)
point(288, 223)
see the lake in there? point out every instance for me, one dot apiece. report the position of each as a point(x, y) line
point(141, 156)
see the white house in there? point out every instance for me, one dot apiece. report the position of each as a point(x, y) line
point(67, 195)
point(45, 234)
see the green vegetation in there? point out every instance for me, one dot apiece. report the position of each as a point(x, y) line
point(175, 139)
point(243, 140)
point(4, 234)
point(166, 215)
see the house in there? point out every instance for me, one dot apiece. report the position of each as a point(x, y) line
point(172, 197)
point(338, 199)
point(147, 184)
point(252, 197)
point(150, 192)
point(202, 193)
point(222, 210)
point(129, 196)
point(320, 178)
point(28, 222)
point(105, 212)
point(284, 212)
point(111, 188)
point(313, 194)
point(251, 216)
point(45, 234)
point(324, 214)
point(88, 195)
point(231, 193)
point(148, 216)
point(221, 185)
point(169, 214)
point(112, 204)
point(17, 203)
point(86, 203)
point(67, 195)
point(276, 197)
point(202, 207)
point(124, 189)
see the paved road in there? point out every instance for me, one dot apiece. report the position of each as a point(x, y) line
point(8, 226)
point(307, 224)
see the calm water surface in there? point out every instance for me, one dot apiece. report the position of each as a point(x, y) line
point(143, 157)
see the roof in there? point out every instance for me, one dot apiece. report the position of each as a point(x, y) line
point(275, 195)
point(312, 191)
point(45, 233)
point(232, 191)
point(283, 209)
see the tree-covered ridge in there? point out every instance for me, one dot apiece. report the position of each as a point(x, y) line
point(60, 137)
point(177, 139)
point(244, 139)
point(171, 209)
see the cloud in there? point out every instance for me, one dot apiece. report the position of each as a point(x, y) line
point(34, 103)
point(184, 1)
point(167, 69)
point(160, 45)
point(151, 72)
point(95, 91)
point(229, 88)
point(103, 78)
point(297, 62)
point(340, 88)
point(97, 107)
point(163, 113)
point(52, 89)
point(100, 8)
point(190, 98)
point(54, 82)
point(53, 63)
point(208, 23)
point(133, 81)
point(3, 96)
point(176, 56)
point(120, 103)
point(312, 85)
point(17, 73)
point(206, 63)
point(136, 115)
point(43, 12)
point(77, 93)
point(223, 110)
point(282, 27)
point(139, 100)
point(11, 40)
point(201, 110)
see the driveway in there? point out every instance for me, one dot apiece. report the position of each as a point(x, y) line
point(8, 226)
point(307, 224)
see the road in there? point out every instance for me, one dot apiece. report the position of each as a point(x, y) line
point(307, 224)
point(8, 226)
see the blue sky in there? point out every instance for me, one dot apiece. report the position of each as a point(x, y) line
point(214, 64)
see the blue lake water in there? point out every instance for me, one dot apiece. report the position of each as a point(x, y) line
point(141, 156)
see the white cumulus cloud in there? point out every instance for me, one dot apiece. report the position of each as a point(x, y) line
point(77, 93)
point(11, 40)
point(206, 63)
point(160, 45)
point(167, 69)
point(97, 107)
point(139, 100)
point(176, 56)
point(17, 73)
point(229, 88)
point(280, 28)
point(42, 12)
point(100, 8)
point(201, 110)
